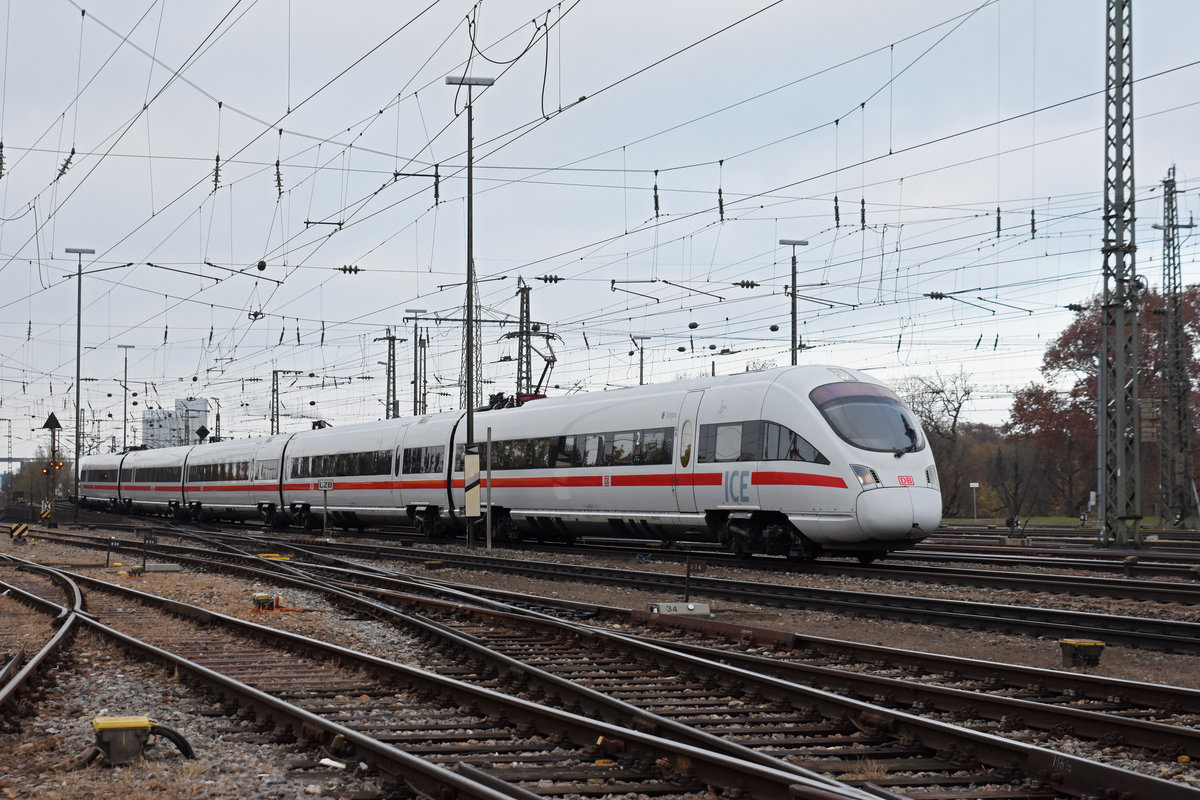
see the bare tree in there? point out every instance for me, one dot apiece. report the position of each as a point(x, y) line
point(939, 403)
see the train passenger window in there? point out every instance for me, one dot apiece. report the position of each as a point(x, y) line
point(728, 442)
point(751, 441)
point(563, 451)
point(538, 453)
point(623, 445)
point(593, 450)
point(518, 456)
point(781, 444)
point(656, 446)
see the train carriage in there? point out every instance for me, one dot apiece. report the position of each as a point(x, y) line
point(152, 480)
point(357, 459)
point(421, 468)
point(99, 481)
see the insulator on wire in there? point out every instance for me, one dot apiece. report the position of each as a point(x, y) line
point(1032, 224)
point(656, 194)
point(1, 159)
point(211, 330)
point(837, 214)
point(436, 181)
point(863, 213)
point(278, 179)
point(978, 341)
point(217, 173)
point(322, 333)
point(899, 340)
point(747, 284)
point(66, 164)
point(165, 328)
point(997, 222)
point(996, 343)
point(282, 331)
point(297, 331)
point(720, 204)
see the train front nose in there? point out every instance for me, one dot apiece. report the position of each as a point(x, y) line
point(899, 511)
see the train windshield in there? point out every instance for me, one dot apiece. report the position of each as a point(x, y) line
point(869, 417)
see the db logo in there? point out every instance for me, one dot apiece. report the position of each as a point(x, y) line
point(906, 480)
point(606, 480)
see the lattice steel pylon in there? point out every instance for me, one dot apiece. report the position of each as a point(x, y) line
point(1120, 435)
point(524, 344)
point(1175, 463)
point(392, 406)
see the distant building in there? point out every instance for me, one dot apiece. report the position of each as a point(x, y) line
point(169, 428)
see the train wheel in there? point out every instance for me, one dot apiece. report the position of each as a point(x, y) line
point(736, 539)
point(428, 524)
point(506, 529)
point(867, 558)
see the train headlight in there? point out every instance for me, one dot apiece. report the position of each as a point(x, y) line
point(867, 477)
point(931, 477)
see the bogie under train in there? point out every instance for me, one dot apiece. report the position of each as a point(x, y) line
point(797, 461)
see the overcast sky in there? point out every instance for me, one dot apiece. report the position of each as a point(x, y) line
point(330, 121)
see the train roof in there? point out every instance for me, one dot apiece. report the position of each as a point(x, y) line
point(801, 378)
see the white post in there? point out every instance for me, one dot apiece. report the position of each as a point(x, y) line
point(489, 487)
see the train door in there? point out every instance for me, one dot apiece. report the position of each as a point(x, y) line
point(686, 452)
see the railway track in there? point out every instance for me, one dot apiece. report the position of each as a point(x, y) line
point(762, 710)
point(1142, 632)
point(434, 733)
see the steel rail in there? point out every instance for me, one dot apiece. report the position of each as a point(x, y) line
point(716, 768)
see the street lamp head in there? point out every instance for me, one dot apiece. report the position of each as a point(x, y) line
point(794, 242)
point(463, 80)
point(81, 251)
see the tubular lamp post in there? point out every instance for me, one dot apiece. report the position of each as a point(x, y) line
point(80, 252)
point(794, 243)
point(125, 406)
point(460, 80)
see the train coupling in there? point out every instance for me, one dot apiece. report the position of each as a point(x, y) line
point(123, 740)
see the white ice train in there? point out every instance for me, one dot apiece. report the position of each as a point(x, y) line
point(797, 461)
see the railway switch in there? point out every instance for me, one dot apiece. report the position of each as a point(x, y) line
point(1081, 652)
point(123, 740)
